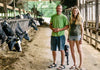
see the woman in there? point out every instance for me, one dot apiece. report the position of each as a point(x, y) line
point(75, 35)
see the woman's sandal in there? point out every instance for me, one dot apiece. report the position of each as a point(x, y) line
point(52, 65)
point(73, 67)
point(61, 67)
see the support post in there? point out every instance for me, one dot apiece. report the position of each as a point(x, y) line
point(19, 11)
point(97, 21)
point(14, 9)
point(86, 22)
point(92, 22)
point(5, 9)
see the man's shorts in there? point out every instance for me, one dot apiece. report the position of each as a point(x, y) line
point(57, 42)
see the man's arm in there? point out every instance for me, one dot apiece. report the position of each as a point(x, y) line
point(58, 29)
point(61, 29)
point(66, 27)
point(53, 29)
point(51, 26)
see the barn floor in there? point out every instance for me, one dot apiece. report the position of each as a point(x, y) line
point(36, 54)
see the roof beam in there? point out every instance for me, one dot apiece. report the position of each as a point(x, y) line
point(38, 0)
point(9, 7)
point(44, 0)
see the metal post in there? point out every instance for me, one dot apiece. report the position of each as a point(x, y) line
point(97, 21)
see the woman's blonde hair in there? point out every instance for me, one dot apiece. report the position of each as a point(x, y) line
point(78, 17)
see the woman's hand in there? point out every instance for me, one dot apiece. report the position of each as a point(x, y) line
point(80, 42)
point(68, 40)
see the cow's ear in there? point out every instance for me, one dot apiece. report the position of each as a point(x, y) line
point(25, 31)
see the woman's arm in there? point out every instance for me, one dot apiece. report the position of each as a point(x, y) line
point(82, 31)
point(51, 26)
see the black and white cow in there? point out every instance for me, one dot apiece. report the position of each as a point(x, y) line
point(7, 29)
point(27, 16)
point(21, 34)
point(32, 24)
point(41, 20)
point(2, 36)
point(12, 40)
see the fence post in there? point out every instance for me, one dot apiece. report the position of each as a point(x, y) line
point(91, 30)
point(97, 21)
point(86, 22)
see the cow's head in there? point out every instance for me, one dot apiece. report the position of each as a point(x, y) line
point(26, 36)
point(2, 36)
point(4, 24)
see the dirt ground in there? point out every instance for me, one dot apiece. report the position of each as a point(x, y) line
point(36, 54)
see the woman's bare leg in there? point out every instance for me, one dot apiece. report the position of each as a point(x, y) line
point(80, 52)
point(72, 51)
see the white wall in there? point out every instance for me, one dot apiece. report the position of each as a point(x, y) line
point(90, 10)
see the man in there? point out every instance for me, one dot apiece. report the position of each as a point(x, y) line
point(58, 24)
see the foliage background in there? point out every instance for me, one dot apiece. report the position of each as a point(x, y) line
point(45, 7)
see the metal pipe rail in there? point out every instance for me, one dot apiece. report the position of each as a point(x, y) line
point(15, 20)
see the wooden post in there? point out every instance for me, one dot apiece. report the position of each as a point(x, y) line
point(19, 11)
point(23, 11)
point(86, 22)
point(83, 9)
point(78, 2)
point(12, 13)
point(89, 12)
point(27, 6)
point(92, 23)
point(80, 7)
point(1, 14)
point(5, 9)
point(97, 21)
point(14, 9)
point(50, 1)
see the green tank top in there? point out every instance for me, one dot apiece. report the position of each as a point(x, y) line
point(75, 29)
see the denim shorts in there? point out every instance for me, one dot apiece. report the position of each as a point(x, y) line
point(75, 38)
point(57, 42)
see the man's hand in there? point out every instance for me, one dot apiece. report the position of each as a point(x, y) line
point(56, 29)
